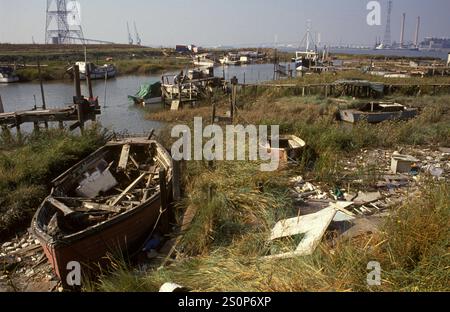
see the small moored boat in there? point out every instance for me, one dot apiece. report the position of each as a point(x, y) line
point(7, 75)
point(147, 95)
point(97, 72)
point(111, 201)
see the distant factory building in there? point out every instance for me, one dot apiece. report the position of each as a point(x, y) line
point(182, 49)
point(188, 48)
point(436, 43)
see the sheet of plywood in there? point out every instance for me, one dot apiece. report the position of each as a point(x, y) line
point(313, 227)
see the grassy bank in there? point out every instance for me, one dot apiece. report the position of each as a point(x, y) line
point(223, 248)
point(56, 70)
point(55, 59)
point(27, 166)
point(411, 248)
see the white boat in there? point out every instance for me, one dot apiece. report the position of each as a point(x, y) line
point(304, 60)
point(231, 59)
point(97, 72)
point(204, 60)
point(7, 75)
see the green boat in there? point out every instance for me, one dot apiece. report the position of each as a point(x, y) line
point(148, 94)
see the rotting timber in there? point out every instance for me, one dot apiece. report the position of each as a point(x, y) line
point(113, 201)
point(83, 110)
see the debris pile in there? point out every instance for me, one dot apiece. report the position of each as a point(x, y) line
point(358, 209)
point(24, 267)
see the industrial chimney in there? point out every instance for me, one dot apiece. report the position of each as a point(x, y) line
point(402, 33)
point(416, 39)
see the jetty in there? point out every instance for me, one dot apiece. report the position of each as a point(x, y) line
point(82, 110)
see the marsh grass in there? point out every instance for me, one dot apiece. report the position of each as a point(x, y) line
point(27, 166)
point(223, 248)
point(412, 249)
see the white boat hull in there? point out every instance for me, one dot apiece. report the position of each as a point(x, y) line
point(9, 79)
point(100, 74)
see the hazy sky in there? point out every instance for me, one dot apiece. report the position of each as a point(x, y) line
point(227, 22)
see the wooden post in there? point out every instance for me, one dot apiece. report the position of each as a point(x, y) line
point(163, 188)
point(234, 82)
point(2, 110)
point(210, 193)
point(164, 204)
point(179, 94)
point(89, 81)
point(213, 116)
point(44, 105)
point(176, 187)
point(76, 75)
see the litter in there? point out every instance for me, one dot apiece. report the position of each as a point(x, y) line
point(171, 288)
point(313, 227)
point(435, 171)
point(403, 163)
point(367, 198)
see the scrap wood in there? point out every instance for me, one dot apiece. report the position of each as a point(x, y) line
point(341, 206)
point(95, 206)
point(149, 182)
point(25, 252)
point(135, 163)
point(188, 217)
point(123, 162)
point(313, 226)
point(60, 206)
point(128, 189)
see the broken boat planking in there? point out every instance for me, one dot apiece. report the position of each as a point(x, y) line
point(92, 211)
point(378, 112)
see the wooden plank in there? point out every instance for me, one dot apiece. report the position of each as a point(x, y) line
point(60, 206)
point(124, 157)
point(95, 206)
point(128, 189)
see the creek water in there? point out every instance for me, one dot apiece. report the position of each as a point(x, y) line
point(119, 114)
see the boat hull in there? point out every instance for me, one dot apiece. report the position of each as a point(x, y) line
point(354, 116)
point(126, 232)
point(100, 74)
point(9, 79)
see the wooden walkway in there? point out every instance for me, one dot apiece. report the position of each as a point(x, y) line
point(82, 110)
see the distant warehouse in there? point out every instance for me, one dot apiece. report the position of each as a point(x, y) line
point(436, 43)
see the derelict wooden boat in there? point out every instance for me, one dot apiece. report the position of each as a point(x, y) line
point(290, 147)
point(111, 201)
point(378, 112)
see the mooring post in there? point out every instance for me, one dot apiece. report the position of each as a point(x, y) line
point(213, 115)
point(44, 105)
point(89, 82)
point(76, 75)
point(234, 83)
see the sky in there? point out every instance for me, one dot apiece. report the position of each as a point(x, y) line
point(228, 22)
